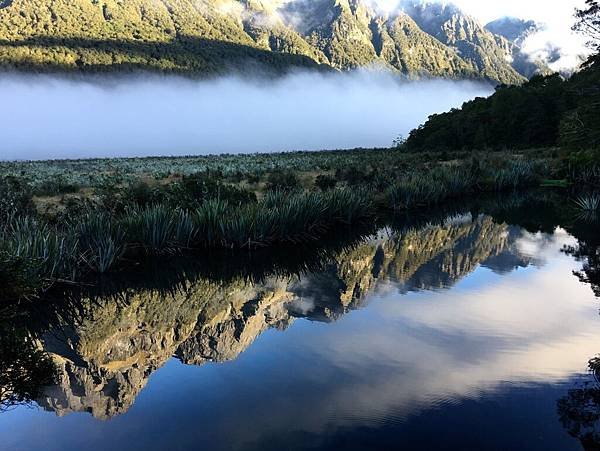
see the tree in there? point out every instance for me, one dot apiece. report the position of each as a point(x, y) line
point(588, 22)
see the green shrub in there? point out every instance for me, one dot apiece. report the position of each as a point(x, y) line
point(101, 241)
point(20, 278)
point(56, 186)
point(282, 181)
point(15, 197)
point(325, 182)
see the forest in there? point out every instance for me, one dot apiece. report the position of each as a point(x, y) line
point(544, 112)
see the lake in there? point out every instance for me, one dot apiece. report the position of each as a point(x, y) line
point(471, 329)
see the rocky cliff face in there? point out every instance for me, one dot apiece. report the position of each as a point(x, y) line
point(515, 32)
point(108, 352)
point(212, 36)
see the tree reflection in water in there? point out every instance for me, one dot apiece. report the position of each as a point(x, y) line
point(579, 411)
point(24, 369)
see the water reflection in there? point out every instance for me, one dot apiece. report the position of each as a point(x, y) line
point(457, 307)
point(24, 368)
point(108, 351)
point(580, 410)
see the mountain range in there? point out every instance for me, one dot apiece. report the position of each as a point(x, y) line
point(209, 37)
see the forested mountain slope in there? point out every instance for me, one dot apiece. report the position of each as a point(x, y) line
point(214, 36)
point(544, 112)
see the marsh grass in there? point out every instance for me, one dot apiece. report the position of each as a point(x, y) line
point(101, 242)
point(588, 207)
point(32, 240)
point(588, 202)
point(124, 221)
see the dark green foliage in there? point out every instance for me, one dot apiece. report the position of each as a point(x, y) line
point(325, 182)
point(515, 117)
point(140, 193)
point(579, 126)
point(101, 242)
point(423, 189)
point(152, 228)
point(20, 278)
point(56, 186)
point(517, 174)
point(15, 196)
point(547, 111)
point(353, 175)
point(24, 369)
point(195, 189)
point(283, 181)
point(53, 252)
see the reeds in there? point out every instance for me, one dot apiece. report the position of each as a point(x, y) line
point(53, 252)
point(517, 174)
point(97, 241)
point(429, 188)
point(101, 241)
point(589, 203)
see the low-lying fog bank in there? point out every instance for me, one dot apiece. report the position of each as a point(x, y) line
point(46, 117)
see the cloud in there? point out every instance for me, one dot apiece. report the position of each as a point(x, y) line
point(47, 117)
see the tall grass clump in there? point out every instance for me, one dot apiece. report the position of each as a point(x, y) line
point(588, 202)
point(101, 241)
point(518, 174)
point(54, 253)
point(20, 278)
point(280, 217)
point(152, 228)
point(208, 220)
point(423, 189)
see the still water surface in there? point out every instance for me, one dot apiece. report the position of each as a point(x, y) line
point(464, 333)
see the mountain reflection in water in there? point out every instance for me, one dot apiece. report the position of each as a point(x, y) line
point(446, 312)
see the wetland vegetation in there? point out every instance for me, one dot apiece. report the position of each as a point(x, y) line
point(63, 220)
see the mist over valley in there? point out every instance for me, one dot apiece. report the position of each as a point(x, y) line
point(83, 117)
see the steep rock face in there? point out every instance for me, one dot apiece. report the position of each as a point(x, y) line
point(215, 36)
point(513, 29)
point(109, 349)
point(486, 52)
point(410, 50)
point(102, 394)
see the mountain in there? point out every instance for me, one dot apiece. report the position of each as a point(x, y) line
point(516, 31)
point(487, 53)
point(513, 29)
point(208, 37)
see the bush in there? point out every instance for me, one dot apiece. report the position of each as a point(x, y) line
point(56, 186)
point(140, 193)
point(20, 278)
point(352, 176)
point(101, 242)
point(325, 182)
point(196, 189)
point(15, 197)
point(282, 181)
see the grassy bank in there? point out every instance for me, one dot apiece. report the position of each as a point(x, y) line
point(59, 226)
